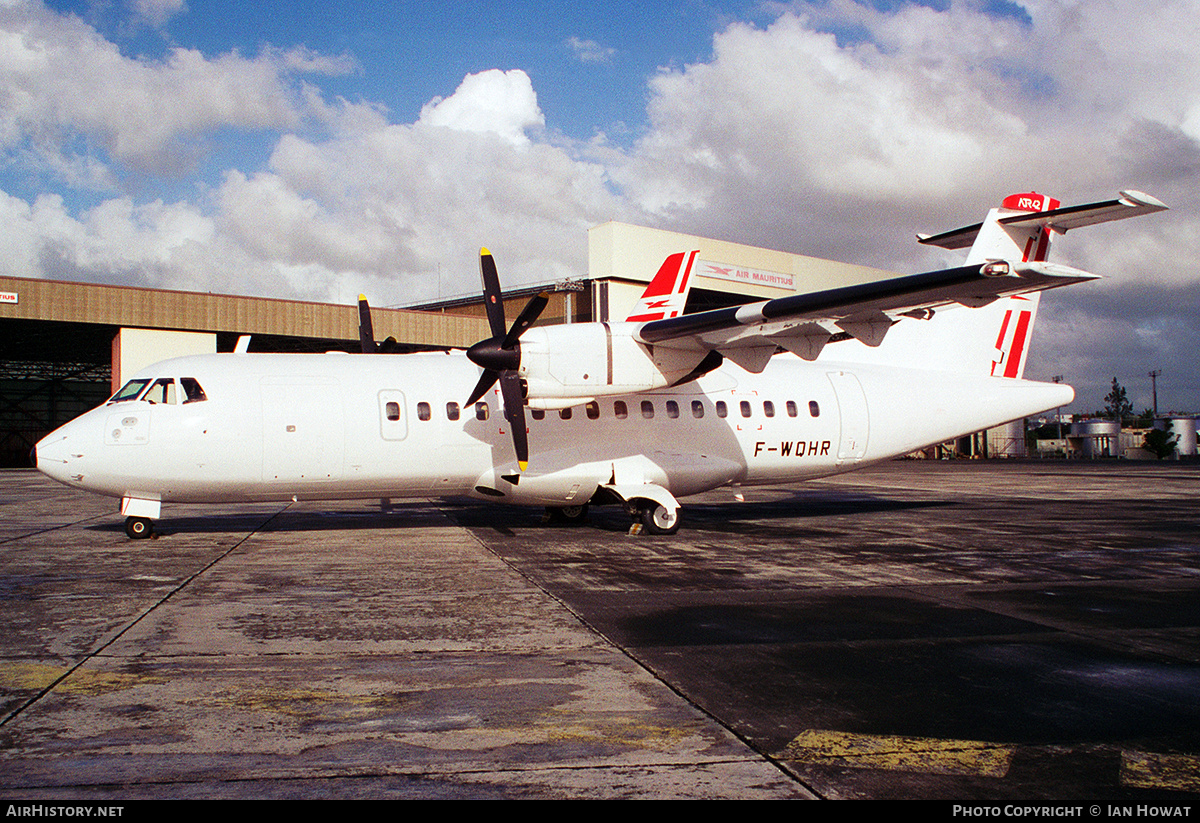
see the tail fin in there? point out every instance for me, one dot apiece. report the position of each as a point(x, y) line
point(995, 338)
point(667, 293)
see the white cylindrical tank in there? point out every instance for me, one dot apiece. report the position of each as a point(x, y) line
point(1185, 428)
point(1007, 440)
point(1098, 438)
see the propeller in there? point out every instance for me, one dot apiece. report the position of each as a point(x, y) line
point(500, 355)
point(366, 333)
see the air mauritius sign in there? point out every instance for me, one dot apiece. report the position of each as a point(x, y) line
point(740, 274)
point(8, 297)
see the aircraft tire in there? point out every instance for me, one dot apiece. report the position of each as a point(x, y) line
point(138, 528)
point(657, 520)
point(569, 515)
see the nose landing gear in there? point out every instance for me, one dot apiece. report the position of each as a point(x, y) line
point(139, 528)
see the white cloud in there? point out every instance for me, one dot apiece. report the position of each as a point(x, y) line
point(62, 84)
point(494, 101)
point(589, 51)
point(158, 12)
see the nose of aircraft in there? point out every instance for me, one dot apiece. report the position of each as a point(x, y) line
point(53, 457)
point(50, 455)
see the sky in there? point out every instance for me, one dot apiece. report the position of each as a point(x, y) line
point(314, 151)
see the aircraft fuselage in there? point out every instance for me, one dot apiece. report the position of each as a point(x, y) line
point(278, 427)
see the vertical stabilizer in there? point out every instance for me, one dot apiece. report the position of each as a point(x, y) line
point(998, 240)
point(667, 293)
point(995, 339)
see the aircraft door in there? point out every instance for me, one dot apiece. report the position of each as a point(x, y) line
point(852, 412)
point(303, 429)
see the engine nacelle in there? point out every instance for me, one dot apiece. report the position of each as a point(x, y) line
point(582, 361)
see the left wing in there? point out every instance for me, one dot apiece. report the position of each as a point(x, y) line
point(803, 323)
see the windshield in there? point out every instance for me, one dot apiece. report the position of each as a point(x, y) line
point(130, 390)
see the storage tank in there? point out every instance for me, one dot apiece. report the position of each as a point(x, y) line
point(1097, 438)
point(1185, 427)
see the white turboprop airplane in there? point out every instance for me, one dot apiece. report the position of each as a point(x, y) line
point(635, 413)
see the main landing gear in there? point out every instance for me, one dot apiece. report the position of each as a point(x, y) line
point(139, 528)
point(567, 515)
point(658, 519)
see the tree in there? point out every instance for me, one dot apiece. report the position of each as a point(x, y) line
point(1161, 442)
point(1117, 405)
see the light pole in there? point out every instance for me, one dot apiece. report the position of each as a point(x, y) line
point(1154, 389)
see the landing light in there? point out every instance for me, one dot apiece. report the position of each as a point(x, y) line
point(997, 268)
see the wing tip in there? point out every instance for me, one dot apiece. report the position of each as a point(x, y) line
point(1142, 199)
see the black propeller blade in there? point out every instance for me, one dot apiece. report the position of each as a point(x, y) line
point(366, 333)
point(500, 355)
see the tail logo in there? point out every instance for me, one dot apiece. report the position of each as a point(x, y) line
point(1030, 201)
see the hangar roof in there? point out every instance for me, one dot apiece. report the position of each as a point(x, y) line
point(90, 303)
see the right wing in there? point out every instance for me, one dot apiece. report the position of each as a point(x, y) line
point(803, 323)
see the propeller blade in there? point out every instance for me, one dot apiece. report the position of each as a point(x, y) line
point(491, 293)
point(527, 317)
point(500, 355)
point(514, 413)
point(366, 334)
point(486, 381)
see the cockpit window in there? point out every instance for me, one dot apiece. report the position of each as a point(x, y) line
point(130, 390)
point(192, 391)
point(163, 391)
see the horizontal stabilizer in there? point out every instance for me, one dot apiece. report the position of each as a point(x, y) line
point(1129, 204)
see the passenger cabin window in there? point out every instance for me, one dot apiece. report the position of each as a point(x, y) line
point(791, 408)
point(163, 391)
point(593, 410)
point(768, 408)
point(745, 406)
point(647, 410)
point(392, 410)
point(423, 411)
point(481, 411)
point(672, 409)
point(192, 390)
point(452, 411)
point(130, 390)
point(620, 410)
point(538, 414)
point(565, 414)
point(697, 408)
point(722, 411)
point(813, 409)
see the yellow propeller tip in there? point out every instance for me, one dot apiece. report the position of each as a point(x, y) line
point(524, 464)
point(484, 252)
point(362, 298)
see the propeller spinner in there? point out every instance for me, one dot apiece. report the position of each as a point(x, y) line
point(500, 355)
